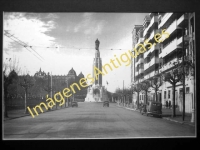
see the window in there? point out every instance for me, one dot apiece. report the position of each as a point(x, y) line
point(187, 89)
point(181, 92)
point(192, 23)
point(165, 93)
point(168, 93)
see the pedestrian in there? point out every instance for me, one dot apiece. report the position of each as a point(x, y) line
point(169, 104)
point(166, 104)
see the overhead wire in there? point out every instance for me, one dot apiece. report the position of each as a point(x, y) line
point(31, 47)
point(22, 43)
point(23, 46)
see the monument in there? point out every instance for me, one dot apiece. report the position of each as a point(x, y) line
point(96, 92)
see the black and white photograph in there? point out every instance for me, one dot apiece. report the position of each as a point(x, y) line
point(98, 75)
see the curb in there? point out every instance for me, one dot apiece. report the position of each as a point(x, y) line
point(128, 108)
point(178, 121)
point(166, 118)
point(5, 119)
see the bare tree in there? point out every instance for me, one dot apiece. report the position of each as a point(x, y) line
point(11, 64)
point(145, 85)
point(155, 83)
point(8, 80)
point(11, 70)
point(173, 77)
point(26, 84)
point(137, 87)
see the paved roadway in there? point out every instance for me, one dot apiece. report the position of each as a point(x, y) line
point(92, 120)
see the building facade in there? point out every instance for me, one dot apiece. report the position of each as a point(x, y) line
point(58, 82)
point(162, 56)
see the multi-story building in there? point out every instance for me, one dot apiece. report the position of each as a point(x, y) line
point(59, 82)
point(160, 58)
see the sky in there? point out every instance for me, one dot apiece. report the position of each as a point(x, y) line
point(56, 42)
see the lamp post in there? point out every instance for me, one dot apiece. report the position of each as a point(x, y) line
point(186, 64)
point(183, 73)
point(26, 84)
point(123, 94)
point(67, 97)
point(48, 89)
point(137, 88)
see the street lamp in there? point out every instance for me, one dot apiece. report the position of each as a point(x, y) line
point(137, 88)
point(26, 84)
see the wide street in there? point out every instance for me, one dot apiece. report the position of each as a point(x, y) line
point(92, 120)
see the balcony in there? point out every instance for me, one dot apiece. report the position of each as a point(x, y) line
point(146, 66)
point(172, 27)
point(186, 39)
point(164, 19)
point(141, 80)
point(154, 47)
point(179, 41)
point(141, 70)
point(169, 65)
point(153, 61)
point(146, 53)
point(169, 48)
point(155, 31)
point(141, 60)
point(182, 19)
point(141, 40)
point(149, 75)
point(136, 63)
point(153, 20)
point(136, 73)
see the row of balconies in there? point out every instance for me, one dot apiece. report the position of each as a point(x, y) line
point(162, 69)
point(140, 60)
point(169, 65)
point(153, 33)
point(181, 19)
point(140, 40)
point(154, 60)
point(139, 70)
point(164, 19)
point(154, 47)
point(151, 74)
point(174, 44)
point(175, 25)
point(141, 80)
point(153, 20)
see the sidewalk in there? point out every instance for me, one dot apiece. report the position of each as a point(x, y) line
point(18, 113)
point(167, 115)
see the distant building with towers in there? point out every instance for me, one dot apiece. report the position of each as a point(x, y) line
point(59, 82)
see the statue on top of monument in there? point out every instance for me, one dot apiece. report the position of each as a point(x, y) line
point(97, 44)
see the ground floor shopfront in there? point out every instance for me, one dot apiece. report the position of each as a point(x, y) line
point(165, 95)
